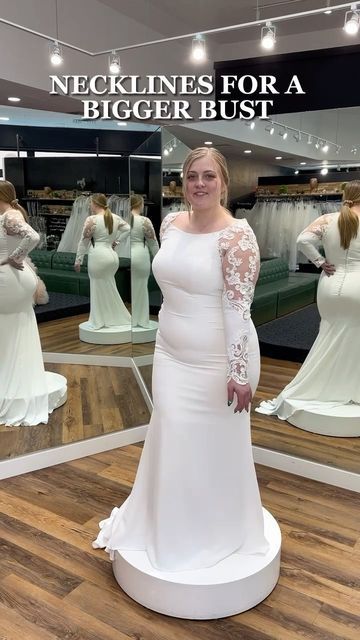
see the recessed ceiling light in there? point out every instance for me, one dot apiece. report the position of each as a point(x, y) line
point(302, 163)
point(296, 171)
point(247, 151)
point(278, 157)
point(14, 99)
point(324, 171)
point(121, 124)
point(207, 142)
point(4, 118)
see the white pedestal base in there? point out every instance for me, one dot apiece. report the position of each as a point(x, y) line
point(341, 422)
point(106, 335)
point(234, 585)
point(141, 335)
point(57, 388)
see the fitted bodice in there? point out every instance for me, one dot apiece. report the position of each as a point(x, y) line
point(101, 233)
point(344, 259)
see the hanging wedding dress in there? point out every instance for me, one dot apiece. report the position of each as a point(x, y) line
point(106, 306)
point(143, 246)
point(73, 230)
point(330, 375)
point(195, 500)
point(27, 393)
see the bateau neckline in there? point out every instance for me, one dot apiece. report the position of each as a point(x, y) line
point(207, 233)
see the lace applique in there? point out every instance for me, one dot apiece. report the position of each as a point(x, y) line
point(240, 259)
point(319, 226)
point(87, 233)
point(89, 227)
point(149, 231)
point(312, 236)
point(15, 225)
point(168, 220)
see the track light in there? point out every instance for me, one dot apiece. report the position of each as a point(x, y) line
point(166, 152)
point(325, 147)
point(297, 136)
point(317, 144)
point(268, 35)
point(114, 63)
point(198, 51)
point(283, 134)
point(328, 9)
point(352, 21)
point(55, 54)
point(270, 129)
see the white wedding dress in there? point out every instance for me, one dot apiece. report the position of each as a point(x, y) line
point(143, 245)
point(195, 500)
point(106, 306)
point(330, 375)
point(27, 392)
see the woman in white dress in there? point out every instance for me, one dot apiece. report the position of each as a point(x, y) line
point(195, 499)
point(27, 393)
point(144, 247)
point(101, 232)
point(330, 375)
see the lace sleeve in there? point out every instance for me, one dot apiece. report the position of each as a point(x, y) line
point(122, 231)
point(309, 239)
point(166, 223)
point(15, 225)
point(87, 233)
point(150, 237)
point(240, 259)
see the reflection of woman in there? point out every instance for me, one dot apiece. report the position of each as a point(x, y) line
point(330, 374)
point(25, 388)
point(143, 245)
point(101, 230)
point(195, 500)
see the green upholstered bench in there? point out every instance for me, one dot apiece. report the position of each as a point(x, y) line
point(57, 271)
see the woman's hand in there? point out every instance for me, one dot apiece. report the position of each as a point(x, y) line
point(241, 393)
point(77, 267)
point(13, 263)
point(114, 244)
point(328, 268)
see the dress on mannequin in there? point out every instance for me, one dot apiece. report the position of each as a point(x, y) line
point(329, 377)
point(25, 398)
point(144, 246)
point(195, 500)
point(106, 306)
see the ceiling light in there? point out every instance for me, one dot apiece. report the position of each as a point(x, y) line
point(284, 135)
point(268, 36)
point(337, 151)
point(55, 54)
point(198, 50)
point(4, 118)
point(114, 63)
point(208, 142)
point(324, 171)
point(247, 150)
point(309, 140)
point(166, 152)
point(278, 157)
point(352, 21)
point(121, 124)
point(297, 136)
point(252, 125)
point(328, 10)
point(302, 163)
point(325, 147)
point(13, 99)
point(317, 144)
point(325, 162)
point(296, 172)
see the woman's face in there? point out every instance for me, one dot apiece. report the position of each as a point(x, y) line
point(203, 183)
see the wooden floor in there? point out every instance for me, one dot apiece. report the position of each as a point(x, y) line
point(53, 585)
point(62, 336)
point(100, 400)
point(271, 433)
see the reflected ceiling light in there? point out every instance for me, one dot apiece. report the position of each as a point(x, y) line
point(56, 54)
point(198, 49)
point(14, 99)
point(268, 36)
point(352, 21)
point(114, 63)
point(247, 150)
point(208, 142)
point(324, 171)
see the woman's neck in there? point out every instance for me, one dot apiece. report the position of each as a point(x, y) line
point(4, 206)
point(204, 218)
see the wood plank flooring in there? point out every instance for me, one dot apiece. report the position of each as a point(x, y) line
point(53, 585)
point(271, 433)
point(100, 400)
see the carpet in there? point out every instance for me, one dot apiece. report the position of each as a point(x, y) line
point(61, 305)
point(290, 337)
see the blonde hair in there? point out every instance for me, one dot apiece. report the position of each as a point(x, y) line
point(214, 154)
point(136, 201)
point(8, 195)
point(348, 220)
point(100, 200)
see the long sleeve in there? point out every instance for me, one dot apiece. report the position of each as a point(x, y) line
point(150, 237)
point(309, 239)
point(87, 233)
point(240, 259)
point(15, 225)
point(122, 231)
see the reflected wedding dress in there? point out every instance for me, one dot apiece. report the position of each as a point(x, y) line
point(106, 306)
point(330, 375)
point(25, 387)
point(143, 245)
point(195, 500)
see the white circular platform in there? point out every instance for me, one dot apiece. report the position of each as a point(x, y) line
point(57, 389)
point(340, 422)
point(234, 585)
point(141, 335)
point(106, 335)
